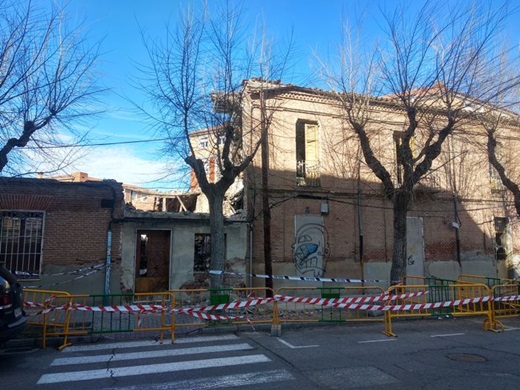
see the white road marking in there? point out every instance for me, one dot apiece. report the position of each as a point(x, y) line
point(296, 347)
point(226, 381)
point(147, 343)
point(149, 354)
point(149, 369)
point(506, 329)
point(375, 341)
point(448, 335)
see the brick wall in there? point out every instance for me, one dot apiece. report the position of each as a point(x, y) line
point(342, 173)
point(77, 217)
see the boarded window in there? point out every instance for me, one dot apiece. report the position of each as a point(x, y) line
point(21, 238)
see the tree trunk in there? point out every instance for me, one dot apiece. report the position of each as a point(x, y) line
point(266, 211)
point(218, 245)
point(401, 201)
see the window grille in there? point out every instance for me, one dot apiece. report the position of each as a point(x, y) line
point(21, 242)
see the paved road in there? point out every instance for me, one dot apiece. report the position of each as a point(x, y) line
point(430, 354)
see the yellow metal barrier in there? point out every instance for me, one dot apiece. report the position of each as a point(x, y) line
point(419, 298)
point(38, 304)
point(63, 315)
point(464, 299)
point(506, 302)
point(120, 313)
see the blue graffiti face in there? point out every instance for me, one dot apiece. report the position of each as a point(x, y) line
point(309, 250)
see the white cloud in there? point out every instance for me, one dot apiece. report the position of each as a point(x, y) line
point(123, 165)
point(120, 163)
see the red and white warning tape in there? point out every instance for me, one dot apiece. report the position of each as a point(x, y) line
point(507, 299)
point(230, 305)
point(120, 308)
point(352, 303)
point(437, 305)
point(336, 301)
point(213, 317)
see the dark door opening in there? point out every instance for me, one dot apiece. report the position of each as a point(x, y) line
point(152, 260)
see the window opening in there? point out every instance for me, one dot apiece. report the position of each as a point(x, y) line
point(203, 142)
point(307, 154)
point(202, 256)
point(500, 237)
point(21, 238)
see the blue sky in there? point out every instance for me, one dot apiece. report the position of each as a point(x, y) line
point(315, 24)
point(117, 22)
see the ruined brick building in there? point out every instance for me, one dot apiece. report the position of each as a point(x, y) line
point(329, 216)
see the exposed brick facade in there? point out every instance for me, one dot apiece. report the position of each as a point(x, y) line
point(77, 217)
point(355, 198)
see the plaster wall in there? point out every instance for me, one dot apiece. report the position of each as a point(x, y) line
point(181, 248)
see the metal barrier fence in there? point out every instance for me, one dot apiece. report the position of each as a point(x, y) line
point(60, 314)
point(63, 315)
point(506, 302)
point(438, 291)
point(487, 280)
point(466, 299)
point(37, 306)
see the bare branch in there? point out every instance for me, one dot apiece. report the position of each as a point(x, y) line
point(46, 75)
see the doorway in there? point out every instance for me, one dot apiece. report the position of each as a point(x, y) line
point(152, 260)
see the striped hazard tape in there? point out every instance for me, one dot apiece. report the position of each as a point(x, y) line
point(352, 303)
point(231, 305)
point(357, 300)
point(437, 305)
point(45, 303)
point(139, 308)
point(507, 299)
point(30, 304)
point(403, 307)
point(212, 317)
point(299, 278)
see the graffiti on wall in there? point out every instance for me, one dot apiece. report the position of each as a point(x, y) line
point(311, 246)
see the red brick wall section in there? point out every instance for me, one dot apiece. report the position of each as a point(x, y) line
point(76, 224)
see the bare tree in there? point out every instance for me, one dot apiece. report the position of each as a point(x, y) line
point(429, 71)
point(196, 85)
point(46, 80)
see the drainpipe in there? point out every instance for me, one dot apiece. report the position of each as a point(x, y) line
point(361, 245)
point(108, 260)
point(457, 227)
point(251, 255)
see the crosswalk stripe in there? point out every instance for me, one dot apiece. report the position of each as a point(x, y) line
point(150, 369)
point(225, 381)
point(149, 354)
point(147, 343)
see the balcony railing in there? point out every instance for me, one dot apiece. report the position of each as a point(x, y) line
point(308, 173)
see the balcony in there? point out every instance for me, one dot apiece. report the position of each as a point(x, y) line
point(308, 173)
